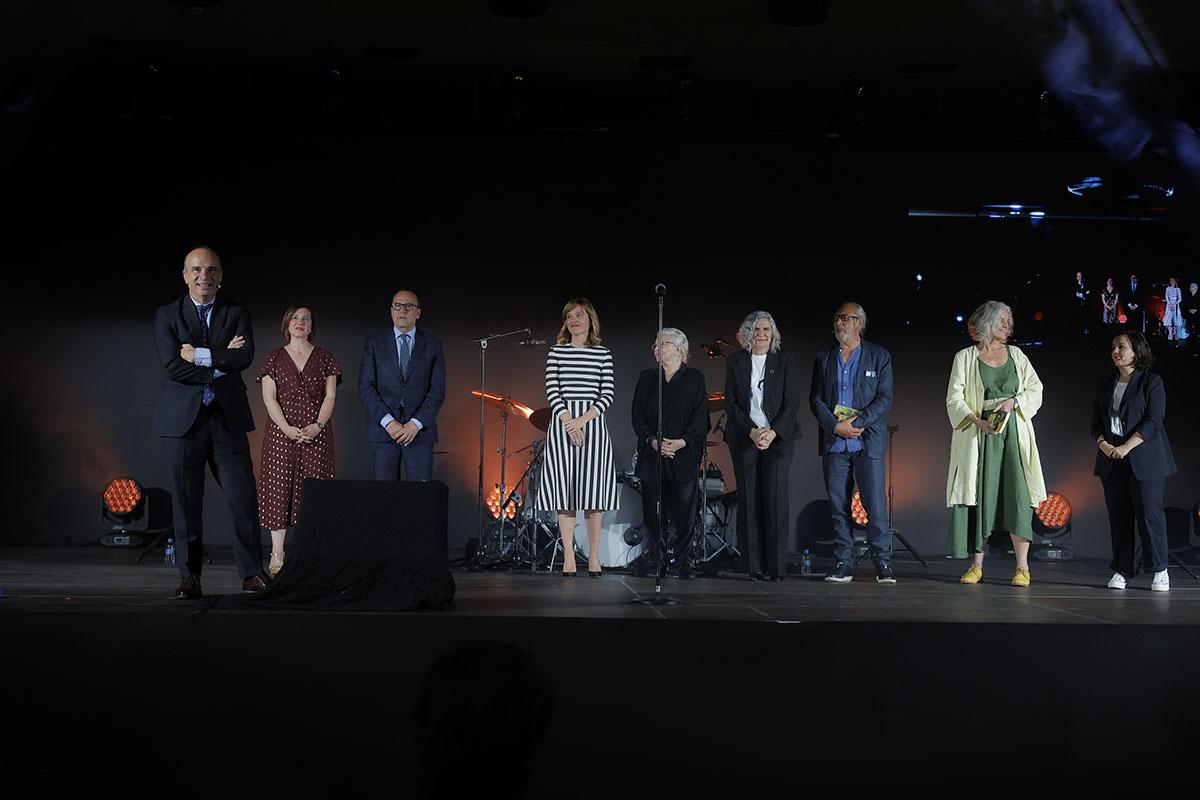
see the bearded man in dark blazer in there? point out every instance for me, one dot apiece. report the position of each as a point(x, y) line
point(851, 395)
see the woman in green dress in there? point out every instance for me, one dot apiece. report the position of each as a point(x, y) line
point(995, 478)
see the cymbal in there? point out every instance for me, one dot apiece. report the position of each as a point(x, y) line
point(540, 419)
point(505, 403)
point(716, 401)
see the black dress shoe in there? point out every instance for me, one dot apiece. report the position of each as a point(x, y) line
point(189, 589)
point(754, 576)
point(254, 585)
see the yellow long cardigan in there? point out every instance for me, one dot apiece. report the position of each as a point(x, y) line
point(965, 395)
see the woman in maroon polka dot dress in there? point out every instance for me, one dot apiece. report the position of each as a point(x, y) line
point(299, 383)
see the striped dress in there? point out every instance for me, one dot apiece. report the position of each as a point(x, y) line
point(580, 478)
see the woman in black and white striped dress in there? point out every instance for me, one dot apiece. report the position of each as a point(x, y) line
point(578, 471)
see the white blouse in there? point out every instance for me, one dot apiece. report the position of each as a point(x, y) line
point(1114, 417)
point(758, 370)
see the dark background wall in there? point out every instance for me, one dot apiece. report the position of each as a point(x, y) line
point(494, 235)
point(334, 190)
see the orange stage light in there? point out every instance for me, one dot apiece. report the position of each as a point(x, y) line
point(122, 495)
point(857, 512)
point(492, 501)
point(1055, 511)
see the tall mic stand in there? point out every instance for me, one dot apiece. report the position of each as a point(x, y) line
point(658, 598)
point(482, 343)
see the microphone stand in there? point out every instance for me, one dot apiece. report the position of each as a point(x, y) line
point(482, 343)
point(658, 598)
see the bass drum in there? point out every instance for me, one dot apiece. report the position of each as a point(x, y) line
point(614, 552)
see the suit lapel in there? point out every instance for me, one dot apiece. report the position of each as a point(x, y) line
point(216, 323)
point(771, 376)
point(743, 376)
point(394, 355)
point(859, 373)
point(1134, 379)
point(191, 321)
point(833, 365)
point(417, 350)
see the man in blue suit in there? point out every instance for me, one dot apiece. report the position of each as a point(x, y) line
point(851, 395)
point(402, 383)
point(203, 344)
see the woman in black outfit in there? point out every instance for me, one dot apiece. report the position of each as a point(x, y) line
point(762, 402)
point(1134, 458)
point(685, 424)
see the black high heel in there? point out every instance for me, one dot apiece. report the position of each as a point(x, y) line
point(595, 574)
point(566, 574)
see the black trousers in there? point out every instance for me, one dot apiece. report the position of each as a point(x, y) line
point(209, 443)
point(679, 506)
point(763, 508)
point(1130, 500)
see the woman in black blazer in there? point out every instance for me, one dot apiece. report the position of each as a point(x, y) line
point(1134, 459)
point(685, 424)
point(762, 404)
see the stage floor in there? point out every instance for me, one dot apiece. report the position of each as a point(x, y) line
point(109, 686)
point(1071, 592)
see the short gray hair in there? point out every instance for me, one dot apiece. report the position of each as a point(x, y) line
point(982, 324)
point(745, 334)
point(675, 337)
point(862, 312)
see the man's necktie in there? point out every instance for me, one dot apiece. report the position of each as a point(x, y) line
point(403, 356)
point(209, 395)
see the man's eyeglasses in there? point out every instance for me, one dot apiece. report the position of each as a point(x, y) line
point(404, 306)
point(845, 317)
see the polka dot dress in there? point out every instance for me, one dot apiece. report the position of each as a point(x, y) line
point(285, 464)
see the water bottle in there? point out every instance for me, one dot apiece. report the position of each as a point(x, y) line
point(169, 553)
point(806, 562)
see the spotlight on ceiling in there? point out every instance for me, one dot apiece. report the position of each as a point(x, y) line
point(1051, 522)
point(799, 13)
point(519, 9)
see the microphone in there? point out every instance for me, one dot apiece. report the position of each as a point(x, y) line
point(660, 289)
point(529, 341)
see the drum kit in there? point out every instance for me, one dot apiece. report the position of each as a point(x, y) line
point(524, 536)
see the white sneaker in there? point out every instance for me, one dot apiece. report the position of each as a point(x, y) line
point(1161, 582)
point(1117, 581)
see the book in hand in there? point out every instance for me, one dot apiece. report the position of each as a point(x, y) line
point(844, 413)
point(997, 419)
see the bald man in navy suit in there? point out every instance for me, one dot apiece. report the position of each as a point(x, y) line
point(203, 344)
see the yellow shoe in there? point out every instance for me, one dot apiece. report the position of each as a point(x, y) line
point(1020, 577)
point(972, 575)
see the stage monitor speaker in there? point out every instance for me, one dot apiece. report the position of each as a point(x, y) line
point(367, 546)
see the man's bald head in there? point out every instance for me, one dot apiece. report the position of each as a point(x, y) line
point(202, 273)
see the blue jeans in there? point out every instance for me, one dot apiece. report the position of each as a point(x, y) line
point(842, 472)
